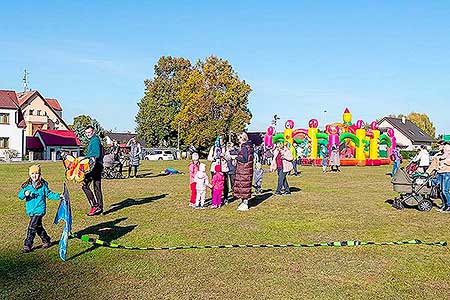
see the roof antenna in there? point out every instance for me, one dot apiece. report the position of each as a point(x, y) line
point(25, 81)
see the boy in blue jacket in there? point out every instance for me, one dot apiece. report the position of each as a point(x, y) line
point(35, 191)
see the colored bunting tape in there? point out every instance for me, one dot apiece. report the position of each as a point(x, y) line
point(98, 242)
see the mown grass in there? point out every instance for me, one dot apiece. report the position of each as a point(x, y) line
point(153, 211)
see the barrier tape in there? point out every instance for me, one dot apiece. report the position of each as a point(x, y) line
point(98, 242)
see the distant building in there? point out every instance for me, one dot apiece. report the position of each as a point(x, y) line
point(48, 144)
point(121, 138)
point(12, 126)
point(408, 135)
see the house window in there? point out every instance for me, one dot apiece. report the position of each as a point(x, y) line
point(4, 142)
point(31, 112)
point(4, 118)
point(38, 112)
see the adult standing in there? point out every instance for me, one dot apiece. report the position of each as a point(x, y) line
point(396, 157)
point(441, 163)
point(230, 156)
point(422, 159)
point(244, 172)
point(216, 156)
point(282, 163)
point(135, 156)
point(95, 152)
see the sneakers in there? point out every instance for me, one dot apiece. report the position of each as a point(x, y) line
point(26, 249)
point(95, 211)
point(91, 211)
point(243, 206)
point(46, 245)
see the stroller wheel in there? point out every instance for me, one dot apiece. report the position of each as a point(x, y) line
point(425, 205)
point(398, 204)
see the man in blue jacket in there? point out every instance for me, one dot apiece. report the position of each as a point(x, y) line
point(95, 151)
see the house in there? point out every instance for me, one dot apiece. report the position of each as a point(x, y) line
point(40, 113)
point(408, 135)
point(48, 144)
point(121, 138)
point(12, 127)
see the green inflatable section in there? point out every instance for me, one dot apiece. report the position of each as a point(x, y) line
point(384, 139)
point(350, 136)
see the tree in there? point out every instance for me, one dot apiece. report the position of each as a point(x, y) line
point(160, 104)
point(213, 102)
point(79, 125)
point(423, 122)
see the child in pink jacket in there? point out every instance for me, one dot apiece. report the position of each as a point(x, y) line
point(217, 187)
point(193, 169)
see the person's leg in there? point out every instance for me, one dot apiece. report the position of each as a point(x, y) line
point(446, 189)
point(31, 232)
point(225, 186)
point(286, 185)
point(129, 171)
point(197, 198)
point(202, 198)
point(87, 191)
point(41, 231)
point(98, 193)
point(135, 170)
point(193, 193)
point(294, 164)
point(280, 181)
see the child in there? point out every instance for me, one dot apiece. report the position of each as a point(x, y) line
point(258, 177)
point(193, 169)
point(201, 182)
point(35, 191)
point(217, 183)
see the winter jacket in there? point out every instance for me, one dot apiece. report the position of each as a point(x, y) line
point(214, 157)
point(286, 158)
point(135, 153)
point(218, 181)
point(423, 158)
point(193, 169)
point(244, 172)
point(36, 201)
point(95, 149)
point(201, 180)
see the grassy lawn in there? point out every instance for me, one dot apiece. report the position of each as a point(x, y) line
point(153, 211)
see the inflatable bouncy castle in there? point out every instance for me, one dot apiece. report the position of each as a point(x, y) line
point(358, 143)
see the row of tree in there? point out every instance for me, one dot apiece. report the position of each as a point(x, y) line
point(192, 104)
point(420, 120)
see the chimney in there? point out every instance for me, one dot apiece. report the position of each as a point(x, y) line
point(404, 120)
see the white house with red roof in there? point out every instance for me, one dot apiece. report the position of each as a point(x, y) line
point(12, 127)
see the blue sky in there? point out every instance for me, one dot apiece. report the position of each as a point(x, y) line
point(300, 57)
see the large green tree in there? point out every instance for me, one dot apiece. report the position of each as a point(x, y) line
point(214, 101)
point(79, 125)
point(161, 102)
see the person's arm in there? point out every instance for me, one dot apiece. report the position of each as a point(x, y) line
point(139, 149)
point(49, 194)
point(244, 157)
point(211, 154)
point(287, 155)
point(24, 193)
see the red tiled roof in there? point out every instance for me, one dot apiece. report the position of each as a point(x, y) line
point(8, 99)
point(23, 97)
point(59, 137)
point(34, 143)
point(54, 104)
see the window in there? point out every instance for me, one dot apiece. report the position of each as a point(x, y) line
point(38, 112)
point(4, 142)
point(31, 112)
point(4, 118)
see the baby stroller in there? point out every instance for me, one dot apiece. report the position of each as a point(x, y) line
point(415, 190)
point(111, 167)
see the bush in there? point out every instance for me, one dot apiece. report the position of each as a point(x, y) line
point(408, 154)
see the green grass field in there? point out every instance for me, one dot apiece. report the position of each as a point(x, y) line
point(153, 211)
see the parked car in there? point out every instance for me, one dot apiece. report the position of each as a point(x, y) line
point(159, 155)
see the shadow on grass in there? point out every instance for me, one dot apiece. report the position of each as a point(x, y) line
point(294, 189)
point(258, 199)
point(106, 231)
point(131, 202)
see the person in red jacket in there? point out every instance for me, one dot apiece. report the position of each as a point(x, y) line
point(217, 187)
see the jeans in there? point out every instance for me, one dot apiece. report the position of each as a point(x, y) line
point(445, 188)
point(35, 226)
point(294, 165)
point(282, 182)
point(395, 167)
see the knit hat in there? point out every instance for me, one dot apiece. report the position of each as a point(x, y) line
point(34, 169)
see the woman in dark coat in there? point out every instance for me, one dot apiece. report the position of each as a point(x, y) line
point(244, 172)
